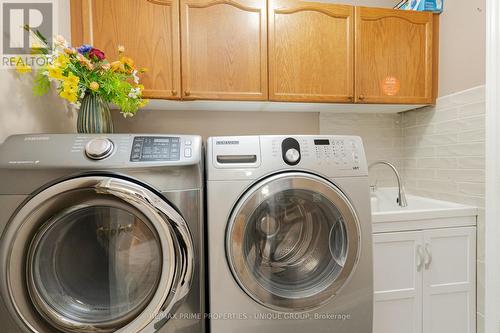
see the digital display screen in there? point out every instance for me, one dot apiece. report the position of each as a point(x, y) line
point(321, 142)
point(155, 149)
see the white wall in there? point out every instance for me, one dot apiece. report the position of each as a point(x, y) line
point(21, 112)
point(462, 46)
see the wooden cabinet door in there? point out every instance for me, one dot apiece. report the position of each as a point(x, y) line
point(398, 265)
point(449, 291)
point(224, 49)
point(311, 51)
point(394, 56)
point(149, 31)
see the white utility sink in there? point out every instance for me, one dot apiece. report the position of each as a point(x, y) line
point(431, 212)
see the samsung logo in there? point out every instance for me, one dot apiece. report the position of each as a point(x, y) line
point(36, 138)
point(228, 142)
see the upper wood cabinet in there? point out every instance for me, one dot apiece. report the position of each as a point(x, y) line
point(395, 56)
point(224, 49)
point(278, 50)
point(311, 51)
point(149, 31)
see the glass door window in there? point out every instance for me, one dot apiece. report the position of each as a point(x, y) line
point(94, 265)
point(293, 241)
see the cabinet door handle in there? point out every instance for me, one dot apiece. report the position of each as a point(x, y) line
point(428, 256)
point(361, 97)
point(174, 92)
point(187, 93)
point(420, 257)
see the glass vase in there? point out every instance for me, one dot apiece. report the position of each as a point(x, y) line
point(94, 115)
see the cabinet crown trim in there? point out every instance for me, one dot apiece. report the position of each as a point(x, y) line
point(160, 2)
point(311, 9)
point(224, 2)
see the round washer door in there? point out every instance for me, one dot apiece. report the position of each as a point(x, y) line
point(96, 254)
point(293, 241)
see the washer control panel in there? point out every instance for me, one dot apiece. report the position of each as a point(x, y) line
point(251, 157)
point(339, 152)
point(343, 152)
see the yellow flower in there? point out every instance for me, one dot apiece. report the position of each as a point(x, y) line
point(127, 62)
point(94, 86)
point(69, 96)
point(62, 61)
point(70, 88)
point(21, 67)
point(117, 66)
point(72, 78)
point(55, 72)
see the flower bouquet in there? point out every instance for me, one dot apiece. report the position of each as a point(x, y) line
point(86, 79)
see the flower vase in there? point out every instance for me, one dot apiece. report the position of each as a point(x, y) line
point(94, 115)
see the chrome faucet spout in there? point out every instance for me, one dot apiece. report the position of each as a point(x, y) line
point(402, 202)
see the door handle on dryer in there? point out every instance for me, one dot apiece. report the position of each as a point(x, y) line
point(428, 256)
point(420, 257)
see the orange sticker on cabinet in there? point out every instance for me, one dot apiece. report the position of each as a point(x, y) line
point(391, 86)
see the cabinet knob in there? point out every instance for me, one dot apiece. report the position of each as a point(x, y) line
point(187, 93)
point(361, 97)
point(174, 92)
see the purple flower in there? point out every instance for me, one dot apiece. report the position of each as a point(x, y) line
point(84, 49)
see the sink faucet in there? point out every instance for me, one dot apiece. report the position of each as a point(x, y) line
point(401, 192)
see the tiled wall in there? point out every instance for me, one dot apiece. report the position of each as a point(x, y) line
point(443, 158)
point(440, 151)
point(382, 138)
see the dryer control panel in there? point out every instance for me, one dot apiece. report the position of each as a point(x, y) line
point(101, 150)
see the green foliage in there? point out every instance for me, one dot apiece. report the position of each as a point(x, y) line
point(85, 70)
point(41, 85)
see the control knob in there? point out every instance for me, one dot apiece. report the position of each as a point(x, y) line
point(292, 155)
point(99, 149)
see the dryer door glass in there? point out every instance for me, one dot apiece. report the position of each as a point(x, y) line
point(95, 264)
point(293, 242)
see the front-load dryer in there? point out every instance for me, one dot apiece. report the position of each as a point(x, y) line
point(289, 235)
point(101, 233)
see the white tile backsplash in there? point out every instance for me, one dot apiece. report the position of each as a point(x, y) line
point(382, 138)
point(455, 129)
point(439, 149)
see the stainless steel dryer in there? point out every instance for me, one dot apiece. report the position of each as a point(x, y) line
point(289, 235)
point(101, 234)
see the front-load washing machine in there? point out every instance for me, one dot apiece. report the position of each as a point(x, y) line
point(289, 235)
point(101, 234)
